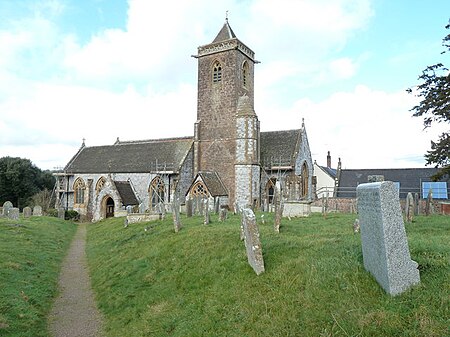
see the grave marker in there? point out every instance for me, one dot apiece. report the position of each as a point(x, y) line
point(13, 213)
point(409, 207)
point(37, 210)
point(27, 212)
point(384, 244)
point(176, 215)
point(252, 242)
point(6, 207)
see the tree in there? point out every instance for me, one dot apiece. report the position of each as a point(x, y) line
point(20, 180)
point(434, 106)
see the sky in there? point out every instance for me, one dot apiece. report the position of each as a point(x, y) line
point(102, 69)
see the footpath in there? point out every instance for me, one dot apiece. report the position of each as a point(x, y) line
point(74, 312)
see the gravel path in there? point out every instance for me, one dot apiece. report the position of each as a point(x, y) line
point(74, 311)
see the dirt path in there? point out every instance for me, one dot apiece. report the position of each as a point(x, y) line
point(74, 312)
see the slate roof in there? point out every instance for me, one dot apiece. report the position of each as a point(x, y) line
point(213, 183)
point(131, 157)
point(410, 179)
point(279, 148)
point(226, 33)
point(126, 193)
point(330, 171)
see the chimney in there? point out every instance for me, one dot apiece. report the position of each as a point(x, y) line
point(328, 160)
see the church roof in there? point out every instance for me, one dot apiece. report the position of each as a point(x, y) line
point(132, 157)
point(226, 33)
point(213, 183)
point(126, 193)
point(279, 148)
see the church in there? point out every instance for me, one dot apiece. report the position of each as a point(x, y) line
point(228, 159)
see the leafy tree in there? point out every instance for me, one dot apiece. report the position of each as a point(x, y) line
point(434, 106)
point(20, 180)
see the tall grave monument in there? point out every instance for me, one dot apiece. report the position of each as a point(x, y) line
point(383, 237)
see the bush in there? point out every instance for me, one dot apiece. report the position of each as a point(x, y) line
point(52, 212)
point(71, 215)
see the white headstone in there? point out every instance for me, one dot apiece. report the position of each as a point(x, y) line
point(37, 210)
point(384, 244)
point(252, 242)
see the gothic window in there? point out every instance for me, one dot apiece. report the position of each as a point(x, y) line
point(245, 72)
point(199, 189)
point(270, 190)
point(100, 184)
point(217, 72)
point(305, 178)
point(156, 191)
point(79, 187)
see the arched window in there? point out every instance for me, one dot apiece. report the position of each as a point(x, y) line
point(156, 192)
point(79, 187)
point(217, 72)
point(199, 189)
point(305, 178)
point(270, 190)
point(245, 72)
point(100, 184)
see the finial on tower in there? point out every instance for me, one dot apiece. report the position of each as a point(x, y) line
point(226, 16)
point(83, 144)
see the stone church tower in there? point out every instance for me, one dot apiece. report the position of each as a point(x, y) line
point(225, 73)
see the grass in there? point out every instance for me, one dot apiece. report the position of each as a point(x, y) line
point(198, 283)
point(30, 260)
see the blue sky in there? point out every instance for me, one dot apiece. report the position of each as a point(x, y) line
point(102, 69)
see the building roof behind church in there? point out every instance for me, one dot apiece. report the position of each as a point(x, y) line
point(330, 171)
point(278, 148)
point(126, 193)
point(410, 179)
point(226, 33)
point(132, 157)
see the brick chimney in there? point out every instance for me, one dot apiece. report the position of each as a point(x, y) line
point(328, 160)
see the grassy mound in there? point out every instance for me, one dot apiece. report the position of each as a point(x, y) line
point(31, 252)
point(197, 282)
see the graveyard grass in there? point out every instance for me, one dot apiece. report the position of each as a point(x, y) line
point(30, 261)
point(198, 283)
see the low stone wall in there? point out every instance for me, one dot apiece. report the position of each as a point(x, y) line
point(296, 209)
point(141, 217)
point(348, 205)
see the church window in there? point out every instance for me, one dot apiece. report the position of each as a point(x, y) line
point(217, 72)
point(156, 192)
point(79, 187)
point(245, 72)
point(199, 189)
point(270, 190)
point(100, 184)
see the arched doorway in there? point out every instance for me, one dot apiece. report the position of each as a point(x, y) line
point(270, 191)
point(109, 207)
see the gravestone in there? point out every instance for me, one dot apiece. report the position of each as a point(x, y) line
point(223, 215)
point(13, 213)
point(429, 203)
point(206, 211)
point(142, 208)
point(383, 237)
point(37, 210)
point(6, 207)
point(409, 207)
point(27, 212)
point(202, 206)
point(252, 242)
point(278, 210)
point(129, 209)
point(189, 208)
point(416, 204)
point(176, 215)
point(61, 213)
point(217, 206)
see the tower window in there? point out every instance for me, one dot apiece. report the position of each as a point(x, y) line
point(245, 74)
point(217, 72)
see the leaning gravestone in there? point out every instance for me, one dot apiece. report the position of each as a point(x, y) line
point(409, 207)
point(383, 237)
point(6, 207)
point(37, 210)
point(252, 242)
point(27, 212)
point(13, 213)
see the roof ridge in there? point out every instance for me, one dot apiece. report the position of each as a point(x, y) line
point(158, 140)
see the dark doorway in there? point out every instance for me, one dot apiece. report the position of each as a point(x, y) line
point(109, 207)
